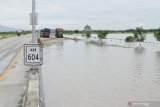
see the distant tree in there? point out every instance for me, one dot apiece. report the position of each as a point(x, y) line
point(76, 31)
point(139, 34)
point(102, 34)
point(157, 35)
point(87, 28)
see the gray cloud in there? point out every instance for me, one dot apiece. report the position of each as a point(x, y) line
point(75, 14)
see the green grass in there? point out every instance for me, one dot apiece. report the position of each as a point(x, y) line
point(7, 35)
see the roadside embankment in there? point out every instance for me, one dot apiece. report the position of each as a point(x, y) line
point(50, 41)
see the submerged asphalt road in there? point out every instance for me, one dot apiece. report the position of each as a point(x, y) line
point(13, 83)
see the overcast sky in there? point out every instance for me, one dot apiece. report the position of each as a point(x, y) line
point(75, 14)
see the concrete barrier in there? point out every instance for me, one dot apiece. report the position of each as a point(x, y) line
point(34, 94)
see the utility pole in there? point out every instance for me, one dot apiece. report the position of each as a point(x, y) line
point(34, 41)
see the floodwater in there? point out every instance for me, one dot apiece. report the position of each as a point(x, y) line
point(83, 74)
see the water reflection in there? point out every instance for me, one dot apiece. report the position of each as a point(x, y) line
point(158, 56)
point(59, 45)
point(138, 67)
point(139, 50)
point(99, 43)
point(76, 40)
point(157, 73)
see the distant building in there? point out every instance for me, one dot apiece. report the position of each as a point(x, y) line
point(87, 28)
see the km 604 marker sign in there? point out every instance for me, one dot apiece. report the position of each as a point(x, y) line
point(33, 54)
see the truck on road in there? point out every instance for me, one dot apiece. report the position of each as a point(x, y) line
point(59, 33)
point(47, 33)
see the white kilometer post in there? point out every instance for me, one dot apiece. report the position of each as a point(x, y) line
point(33, 55)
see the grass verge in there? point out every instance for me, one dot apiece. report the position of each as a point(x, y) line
point(6, 35)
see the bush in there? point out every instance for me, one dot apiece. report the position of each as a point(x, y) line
point(76, 31)
point(88, 34)
point(157, 35)
point(129, 39)
point(102, 34)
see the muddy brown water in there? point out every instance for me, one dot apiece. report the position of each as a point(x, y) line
point(82, 74)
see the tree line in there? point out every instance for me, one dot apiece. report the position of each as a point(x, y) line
point(139, 34)
point(110, 31)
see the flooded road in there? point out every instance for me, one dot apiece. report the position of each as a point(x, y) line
point(82, 74)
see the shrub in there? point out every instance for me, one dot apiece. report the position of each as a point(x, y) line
point(157, 35)
point(83, 35)
point(76, 31)
point(88, 34)
point(129, 39)
point(102, 34)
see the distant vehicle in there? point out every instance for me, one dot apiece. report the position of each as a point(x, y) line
point(41, 32)
point(46, 33)
point(18, 33)
point(52, 33)
point(59, 33)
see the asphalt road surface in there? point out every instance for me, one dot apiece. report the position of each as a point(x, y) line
point(8, 49)
point(13, 83)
